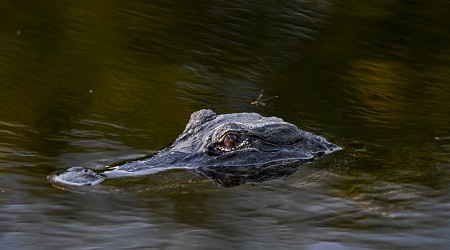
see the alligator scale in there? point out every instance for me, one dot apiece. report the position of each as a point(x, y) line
point(229, 149)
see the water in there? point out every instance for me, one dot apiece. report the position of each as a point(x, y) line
point(89, 83)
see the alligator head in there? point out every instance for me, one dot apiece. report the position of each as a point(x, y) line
point(229, 149)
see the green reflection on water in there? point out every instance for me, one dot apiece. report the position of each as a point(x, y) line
point(87, 82)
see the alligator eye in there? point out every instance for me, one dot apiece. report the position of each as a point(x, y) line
point(230, 140)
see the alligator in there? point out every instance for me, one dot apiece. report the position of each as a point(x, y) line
point(229, 149)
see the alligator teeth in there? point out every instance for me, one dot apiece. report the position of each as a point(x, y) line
point(241, 145)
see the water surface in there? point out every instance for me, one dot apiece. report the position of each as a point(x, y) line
point(89, 83)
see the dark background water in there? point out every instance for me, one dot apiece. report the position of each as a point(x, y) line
point(87, 83)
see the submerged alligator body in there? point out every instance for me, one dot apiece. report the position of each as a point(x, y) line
point(229, 149)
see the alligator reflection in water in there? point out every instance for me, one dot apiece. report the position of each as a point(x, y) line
point(229, 149)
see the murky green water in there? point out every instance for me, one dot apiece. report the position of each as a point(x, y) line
point(88, 83)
